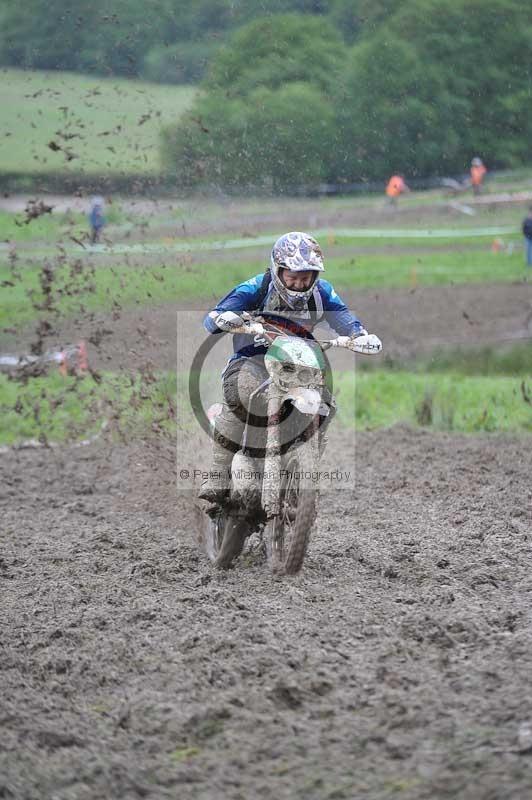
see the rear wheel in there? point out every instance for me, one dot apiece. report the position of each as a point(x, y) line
point(288, 535)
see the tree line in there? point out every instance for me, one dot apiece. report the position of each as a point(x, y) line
point(287, 102)
point(162, 40)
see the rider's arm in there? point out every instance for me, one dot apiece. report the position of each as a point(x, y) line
point(337, 313)
point(242, 298)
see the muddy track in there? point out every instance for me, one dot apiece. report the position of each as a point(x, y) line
point(397, 664)
point(410, 322)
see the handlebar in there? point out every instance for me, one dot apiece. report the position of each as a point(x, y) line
point(367, 344)
point(251, 329)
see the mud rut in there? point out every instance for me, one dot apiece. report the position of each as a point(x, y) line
point(397, 664)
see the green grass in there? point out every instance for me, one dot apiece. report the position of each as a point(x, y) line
point(55, 408)
point(164, 233)
point(99, 287)
point(106, 117)
point(513, 361)
point(49, 227)
point(92, 289)
point(14, 229)
point(425, 269)
point(435, 241)
point(162, 229)
point(442, 402)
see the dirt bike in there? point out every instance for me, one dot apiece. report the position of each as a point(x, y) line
point(275, 489)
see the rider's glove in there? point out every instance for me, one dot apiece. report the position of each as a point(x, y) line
point(360, 343)
point(228, 321)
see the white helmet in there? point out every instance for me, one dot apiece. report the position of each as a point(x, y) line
point(476, 162)
point(297, 252)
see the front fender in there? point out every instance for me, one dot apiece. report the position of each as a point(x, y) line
point(307, 401)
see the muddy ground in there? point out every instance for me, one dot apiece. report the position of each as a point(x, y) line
point(411, 322)
point(397, 664)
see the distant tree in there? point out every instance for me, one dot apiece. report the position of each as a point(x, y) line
point(265, 117)
point(271, 51)
point(355, 18)
point(127, 36)
point(425, 85)
point(123, 32)
point(86, 35)
point(46, 34)
point(274, 139)
point(395, 113)
point(183, 62)
point(428, 84)
point(440, 81)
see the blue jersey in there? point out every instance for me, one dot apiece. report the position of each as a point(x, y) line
point(96, 218)
point(253, 296)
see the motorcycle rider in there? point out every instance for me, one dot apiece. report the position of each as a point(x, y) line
point(290, 289)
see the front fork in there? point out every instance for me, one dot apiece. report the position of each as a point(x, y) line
point(271, 482)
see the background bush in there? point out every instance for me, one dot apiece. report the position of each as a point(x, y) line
point(182, 62)
point(427, 85)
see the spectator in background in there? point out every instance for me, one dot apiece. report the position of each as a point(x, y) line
point(477, 172)
point(527, 232)
point(396, 186)
point(96, 219)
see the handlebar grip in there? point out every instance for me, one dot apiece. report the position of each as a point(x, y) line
point(252, 329)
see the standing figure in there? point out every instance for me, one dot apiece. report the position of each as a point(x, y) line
point(396, 186)
point(477, 172)
point(527, 233)
point(96, 219)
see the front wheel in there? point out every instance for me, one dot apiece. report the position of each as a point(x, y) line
point(288, 535)
point(222, 536)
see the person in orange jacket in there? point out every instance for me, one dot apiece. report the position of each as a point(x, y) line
point(396, 186)
point(477, 172)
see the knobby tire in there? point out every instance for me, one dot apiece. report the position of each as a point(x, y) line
point(288, 535)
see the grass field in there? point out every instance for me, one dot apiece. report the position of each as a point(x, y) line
point(54, 227)
point(444, 402)
point(98, 287)
point(101, 124)
point(56, 408)
point(511, 361)
point(50, 227)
